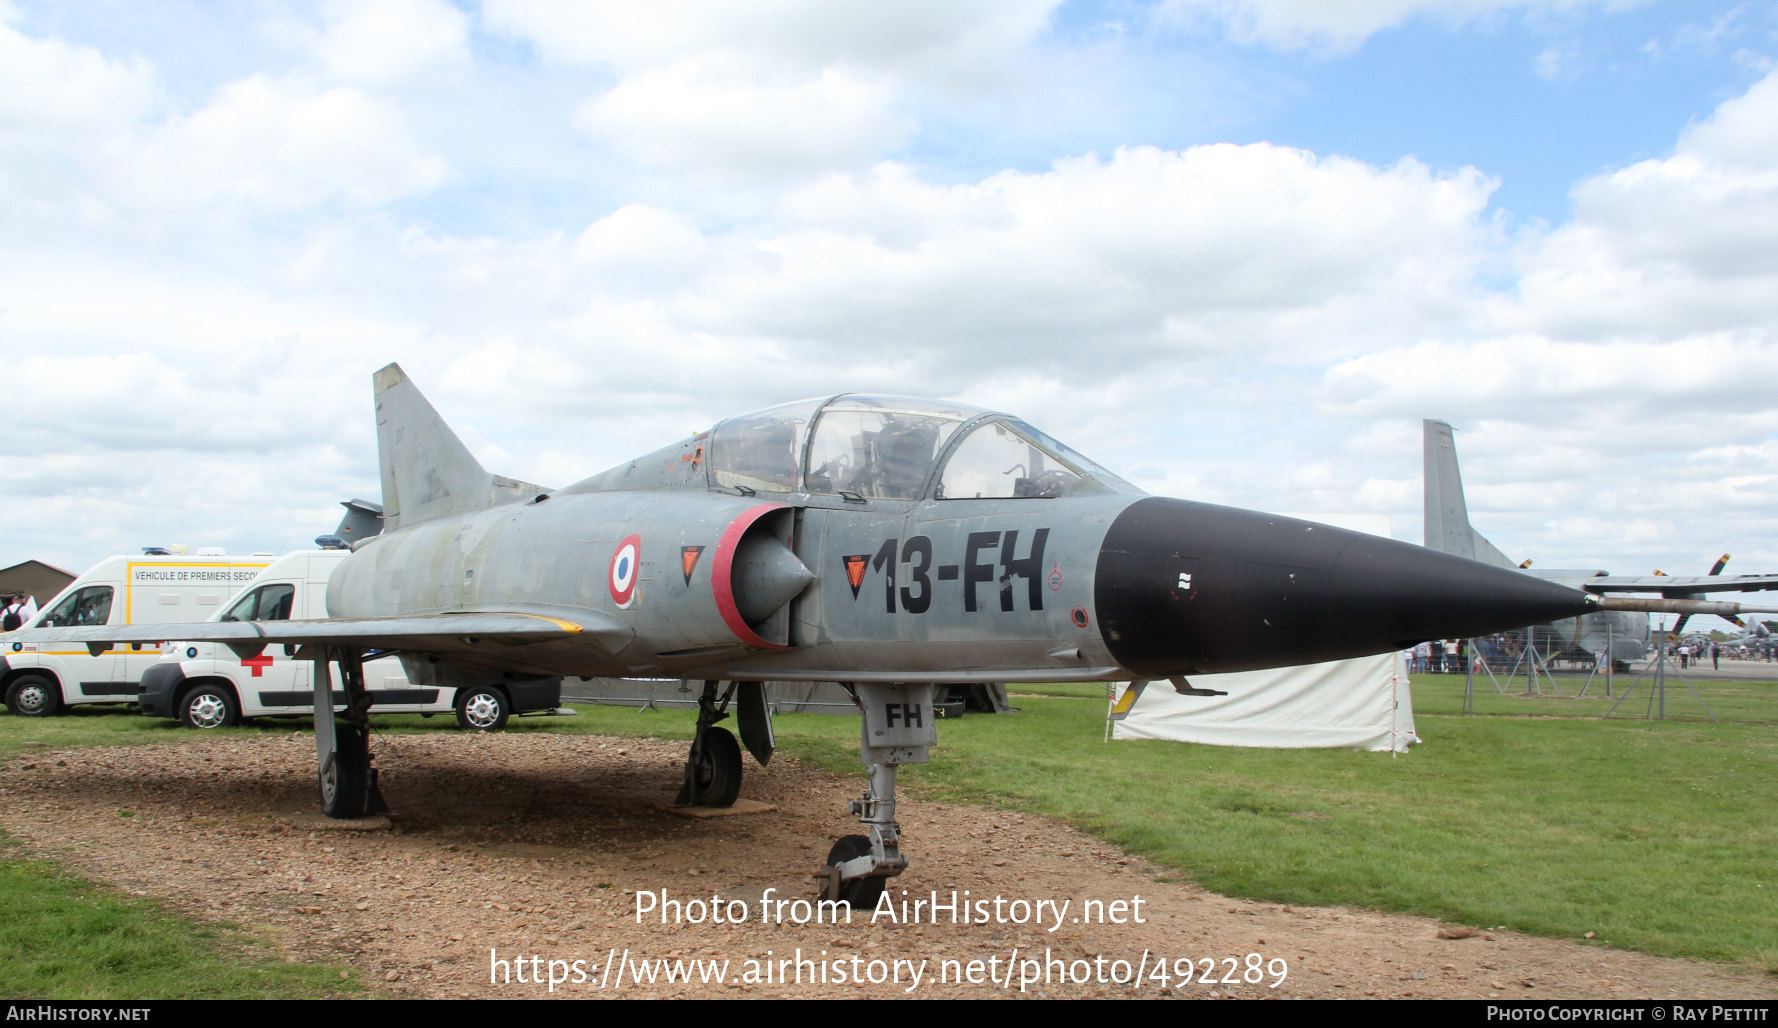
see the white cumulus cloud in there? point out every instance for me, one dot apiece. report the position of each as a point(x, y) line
point(711, 122)
point(379, 41)
point(768, 90)
point(284, 143)
point(946, 39)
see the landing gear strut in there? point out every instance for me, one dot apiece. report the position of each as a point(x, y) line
point(713, 769)
point(897, 729)
point(347, 783)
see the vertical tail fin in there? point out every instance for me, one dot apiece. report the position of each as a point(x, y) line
point(1447, 513)
point(427, 471)
point(363, 520)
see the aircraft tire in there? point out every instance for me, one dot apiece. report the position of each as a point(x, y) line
point(484, 708)
point(33, 696)
point(345, 788)
point(716, 780)
point(859, 893)
point(209, 706)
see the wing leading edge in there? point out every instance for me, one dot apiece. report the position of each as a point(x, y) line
point(435, 633)
point(1674, 587)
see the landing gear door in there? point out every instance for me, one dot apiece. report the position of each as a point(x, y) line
point(898, 722)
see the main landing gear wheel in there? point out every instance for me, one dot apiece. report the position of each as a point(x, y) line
point(345, 782)
point(859, 893)
point(716, 770)
point(713, 767)
point(33, 696)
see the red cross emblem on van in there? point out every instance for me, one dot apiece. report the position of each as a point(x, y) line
point(258, 664)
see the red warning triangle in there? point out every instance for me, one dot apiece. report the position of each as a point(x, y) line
point(688, 560)
point(855, 566)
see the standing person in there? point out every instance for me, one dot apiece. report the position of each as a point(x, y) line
point(1684, 653)
point(12, 615)
point(1716, 656)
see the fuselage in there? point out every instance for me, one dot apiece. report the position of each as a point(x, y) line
point(917, 547)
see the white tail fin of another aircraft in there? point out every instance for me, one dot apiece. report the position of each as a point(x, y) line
point(427, 471)
point(1447, 514)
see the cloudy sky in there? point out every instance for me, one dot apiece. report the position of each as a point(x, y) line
point(1235, 249)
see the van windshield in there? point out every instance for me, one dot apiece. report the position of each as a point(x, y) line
point(267, 603)
point(89, 606)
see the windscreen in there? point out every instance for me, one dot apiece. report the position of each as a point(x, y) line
point(876, 452)
point(996, 462)
point(759, 451)
point(1075, 458)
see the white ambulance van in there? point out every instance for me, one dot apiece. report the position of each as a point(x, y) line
point(205, 685)
point(38, 679)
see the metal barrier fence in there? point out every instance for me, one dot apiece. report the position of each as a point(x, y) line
point(677, 694)
point(1539, 661)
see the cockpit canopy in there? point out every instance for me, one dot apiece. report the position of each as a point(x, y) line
point(885, 447)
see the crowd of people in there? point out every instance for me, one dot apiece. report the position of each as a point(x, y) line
point(1440, 656)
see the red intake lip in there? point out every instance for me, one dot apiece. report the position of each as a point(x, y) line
point(722, 570)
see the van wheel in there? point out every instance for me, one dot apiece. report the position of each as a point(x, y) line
point(483, 709)
point(33, 696)
point(209, 706)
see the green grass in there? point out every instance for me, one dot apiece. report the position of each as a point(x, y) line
point(63, 937)
point(1658, 836)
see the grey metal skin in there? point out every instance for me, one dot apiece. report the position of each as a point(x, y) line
point(690, 563)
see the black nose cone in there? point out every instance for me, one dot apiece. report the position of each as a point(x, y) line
point(1186, 588)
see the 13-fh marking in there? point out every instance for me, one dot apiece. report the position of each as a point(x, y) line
point(916, 553)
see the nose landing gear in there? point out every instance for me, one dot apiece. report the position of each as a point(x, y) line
point(897, 729)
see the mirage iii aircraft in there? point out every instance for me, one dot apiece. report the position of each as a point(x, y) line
point(890, 544)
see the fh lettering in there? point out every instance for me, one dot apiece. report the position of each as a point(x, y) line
point(909, 713)
point(989, 558)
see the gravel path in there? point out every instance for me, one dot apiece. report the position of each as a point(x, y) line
point(537, 844)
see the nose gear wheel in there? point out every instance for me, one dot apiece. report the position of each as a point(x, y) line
point(857, 893)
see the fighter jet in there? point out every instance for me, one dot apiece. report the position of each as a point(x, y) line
point(891, 544)
point(1624, 631)
point(1752, 634)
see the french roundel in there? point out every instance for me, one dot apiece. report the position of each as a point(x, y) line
point(623, 570)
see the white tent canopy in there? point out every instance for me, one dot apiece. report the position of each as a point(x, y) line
point(1361, 704)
